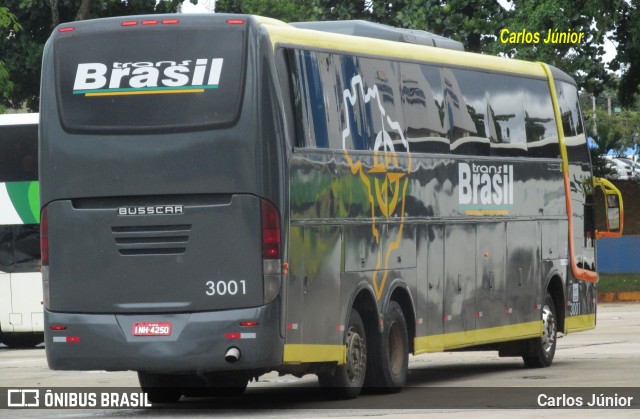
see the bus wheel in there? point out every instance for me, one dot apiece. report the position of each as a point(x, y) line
point(227, 385)
point(160, 388)
point(21, 340)
point(389, 361)
point(545, 346)
point(346, 380)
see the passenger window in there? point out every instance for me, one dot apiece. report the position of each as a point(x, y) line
point(352, 121)
point(423, 104)
point(384, 108)
point(311, 125)
point(575, 140)
point(539, 120)
point(465, 110)
point(505, 115)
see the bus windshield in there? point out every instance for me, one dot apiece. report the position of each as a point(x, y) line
point(164, 79)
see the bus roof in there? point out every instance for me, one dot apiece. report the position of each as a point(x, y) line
point(19, 119)
point(284, 34)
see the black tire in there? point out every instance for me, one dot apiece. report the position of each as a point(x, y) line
point(21, 340)
point(544, 346)
point(227, 385)
point(389, 358)
point(161, 388)
point(214, 385)
point(346, 381)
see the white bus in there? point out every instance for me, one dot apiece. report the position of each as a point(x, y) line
point(21, 320)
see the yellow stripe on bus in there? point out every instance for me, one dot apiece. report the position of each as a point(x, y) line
point(457, 340)
point(579, 323)
point(147, 92)
point(295, 353)
point(486, 212)
point(338, 43)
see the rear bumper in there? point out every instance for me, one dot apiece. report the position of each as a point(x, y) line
point(198, 341)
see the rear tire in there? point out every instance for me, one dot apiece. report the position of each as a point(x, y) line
point(545, 346)
point(21, 340)
point(389, 360)
point(161, 388)
point(347, 380)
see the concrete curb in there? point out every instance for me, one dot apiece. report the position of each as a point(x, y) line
point(610, 297)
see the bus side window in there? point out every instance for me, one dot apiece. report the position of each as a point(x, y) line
point(355, 124)
point(311, 123)
point(465, 108)
point(539, 120)
point(6, 249)
point(384, 109)
point(505, 115)
point(423, 108)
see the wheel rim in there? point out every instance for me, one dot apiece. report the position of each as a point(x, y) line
point(396, 350)
point(356, 355)
point(548, 329)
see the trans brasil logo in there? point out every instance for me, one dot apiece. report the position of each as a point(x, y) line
point(485, 189)
point(390, 179)
point(139, 78)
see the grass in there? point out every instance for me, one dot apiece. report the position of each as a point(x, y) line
point(619, 283)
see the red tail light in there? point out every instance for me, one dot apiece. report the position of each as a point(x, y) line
point(44, 237)
point(270, 231)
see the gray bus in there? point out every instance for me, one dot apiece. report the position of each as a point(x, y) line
point(224, 195)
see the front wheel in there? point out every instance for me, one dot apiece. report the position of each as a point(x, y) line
point(545, 346)
point(346, 380)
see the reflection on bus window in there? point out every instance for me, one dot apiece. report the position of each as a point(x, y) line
point(465, 106)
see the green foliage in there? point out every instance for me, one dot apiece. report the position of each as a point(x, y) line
point(583, 61)
point(611, 133)
point(619, 282)
point(10, 25)
point(287, 11)
point(627, 36)
point(22, 49)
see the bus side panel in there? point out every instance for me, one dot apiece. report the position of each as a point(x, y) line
point(523, 294)
point(460, 285)
point(490, 256)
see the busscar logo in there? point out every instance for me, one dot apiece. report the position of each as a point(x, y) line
point(152, 210)
point(145, 77)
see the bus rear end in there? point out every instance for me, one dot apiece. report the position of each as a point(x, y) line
point(161, 206)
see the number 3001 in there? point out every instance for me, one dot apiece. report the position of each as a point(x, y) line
point(225, 287)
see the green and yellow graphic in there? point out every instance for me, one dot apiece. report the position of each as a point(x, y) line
point(19, 203)
point(386, 182)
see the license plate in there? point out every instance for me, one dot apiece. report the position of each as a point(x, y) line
point(151, 329)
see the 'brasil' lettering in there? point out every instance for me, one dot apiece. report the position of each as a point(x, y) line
point(480, 184)
point(188, 76)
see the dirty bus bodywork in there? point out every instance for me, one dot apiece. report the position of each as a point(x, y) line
point(226, 196)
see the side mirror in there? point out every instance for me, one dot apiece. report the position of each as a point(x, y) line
point(613, 207)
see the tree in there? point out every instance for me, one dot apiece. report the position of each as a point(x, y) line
point(582, 60)
point(294, 11)
point(468, 21)
point(628, 38)
point(22, 50)
point(475, 23)
point(9, 23)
